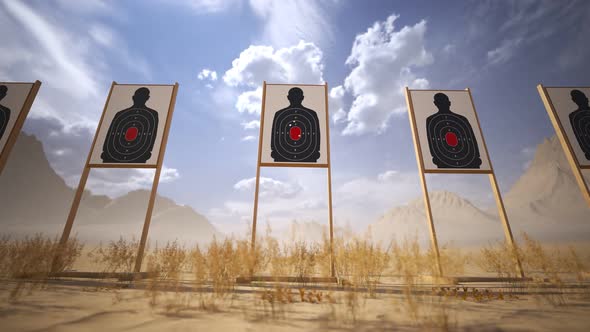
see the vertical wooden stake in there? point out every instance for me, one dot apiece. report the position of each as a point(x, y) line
point(332, 262)
point(148, 219)
point(75, 205)
point(427, 207)
point(428, 210)
point(255, 213)
point(70, 221)
point(153, 193)
point(331, 216)
point(505, 223)
point(78, 196)
point(565, 144)
point(498, 197)
point(18, 125)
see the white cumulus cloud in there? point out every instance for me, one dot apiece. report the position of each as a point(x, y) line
point(207, 74)
point(117, 182)
point(383, 60)
point(251, 124)
point(250, 101)
point(270, 188)
point(300, 63)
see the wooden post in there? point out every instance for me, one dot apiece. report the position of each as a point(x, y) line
point(498, 197)
point(427, 207)
point(79, 191)
point(148, 219)
point(505, 223)
point(18, 125)
point(332, 262)
point(565, 143)
point(256, 189)
point(75, 205)
point(327, 165)
point(153, 193)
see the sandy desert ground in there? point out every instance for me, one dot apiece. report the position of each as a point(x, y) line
point(61, 307)
point(194, 288)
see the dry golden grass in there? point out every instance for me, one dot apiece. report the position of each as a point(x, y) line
point(32, 257)
point(203, 278)
point(30, 260)
point(116, 256)
point(361, 261)
point(547, 267)
point(538, 261)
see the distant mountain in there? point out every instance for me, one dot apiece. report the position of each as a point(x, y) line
point(455, 219)
point(546, 200)
point(33, 199)
point(308, 231)
point(31, 192)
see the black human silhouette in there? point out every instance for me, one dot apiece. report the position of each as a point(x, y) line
point(132, 133)
point(451, 139)
point(4, 111)
point(580, 121)
point(295, 132)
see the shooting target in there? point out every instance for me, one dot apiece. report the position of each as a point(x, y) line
point(452, 142)
point(448, 131)
point(131, 136)
point(581, 125)
point(580, 120)
point(294, 123)
point(4, 111)
point(569, 110)
point(133, 125)
point(14, 110)
point(295, 136)
point(4, 118)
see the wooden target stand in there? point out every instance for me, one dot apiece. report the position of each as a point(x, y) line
point(260, 164)
point(491, 175)
point(88, 166)
point(565, 143)
point(18, 125)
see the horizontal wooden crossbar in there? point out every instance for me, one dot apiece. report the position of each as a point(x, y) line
point(126, 276)
point(458, 171)
point(121, 165)
point(246, 280)
point(308, 165)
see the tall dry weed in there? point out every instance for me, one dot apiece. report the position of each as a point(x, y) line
point(363, 262)
point(116, 256)
point(166, 265)
point(31, 259)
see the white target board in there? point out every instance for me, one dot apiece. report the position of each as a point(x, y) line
point(294, 125)
point(12, 102)
point(448, 131)
point(132, 126)
point(573, 114)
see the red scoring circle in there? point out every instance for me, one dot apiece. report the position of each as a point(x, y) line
point(451, 139)
point(295, 133)
point(131, 134)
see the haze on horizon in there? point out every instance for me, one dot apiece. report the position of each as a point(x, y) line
point(220, 52)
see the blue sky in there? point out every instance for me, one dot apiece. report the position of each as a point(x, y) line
point(221, 51)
